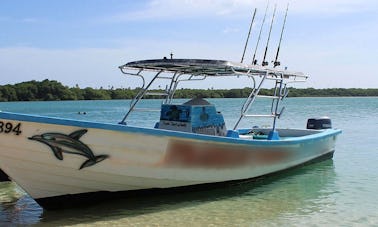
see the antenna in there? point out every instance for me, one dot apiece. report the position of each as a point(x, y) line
point(276, 62)
point(249, 33)
point(254, 61)
point(264, 63)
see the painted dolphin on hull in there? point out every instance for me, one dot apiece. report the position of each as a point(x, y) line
point(61, 143)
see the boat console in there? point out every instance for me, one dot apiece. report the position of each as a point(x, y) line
point(196, 116)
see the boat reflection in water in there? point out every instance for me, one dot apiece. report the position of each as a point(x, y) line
point(301, 190)
point(16, 207)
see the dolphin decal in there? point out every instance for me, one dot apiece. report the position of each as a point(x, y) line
point(70, 144)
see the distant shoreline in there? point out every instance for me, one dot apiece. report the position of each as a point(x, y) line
point(51, 90)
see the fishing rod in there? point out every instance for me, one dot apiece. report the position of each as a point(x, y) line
point(249, 33)
point(276, 62)
point(264, 63)
point(254, 61)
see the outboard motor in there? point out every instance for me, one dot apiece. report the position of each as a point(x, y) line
point(319, 123)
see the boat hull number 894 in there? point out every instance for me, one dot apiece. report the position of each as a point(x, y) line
point(9, 127)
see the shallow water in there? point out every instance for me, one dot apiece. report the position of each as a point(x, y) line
point(337, 192)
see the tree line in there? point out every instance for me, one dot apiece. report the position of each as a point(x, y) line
point(51, 90)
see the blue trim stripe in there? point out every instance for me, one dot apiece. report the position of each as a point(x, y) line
point(161, 132)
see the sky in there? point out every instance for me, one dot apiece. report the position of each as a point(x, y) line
point(82, 42)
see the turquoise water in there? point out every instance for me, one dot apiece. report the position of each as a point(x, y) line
point(338, 192)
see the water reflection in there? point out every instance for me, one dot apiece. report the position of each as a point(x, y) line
point(295, 192)
point(16, 207)
point(299, 191)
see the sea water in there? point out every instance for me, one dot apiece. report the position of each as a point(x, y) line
point(338, 192)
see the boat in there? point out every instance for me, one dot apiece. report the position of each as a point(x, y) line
point(58, 161)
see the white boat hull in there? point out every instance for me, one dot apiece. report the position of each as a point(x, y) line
point(138, 158)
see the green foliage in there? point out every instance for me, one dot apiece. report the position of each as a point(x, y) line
point(96, 94)
point(122, 94)
point(332, 92)
point(51, 90)
point(8, 93)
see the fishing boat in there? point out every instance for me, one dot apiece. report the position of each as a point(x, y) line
point(59, 160)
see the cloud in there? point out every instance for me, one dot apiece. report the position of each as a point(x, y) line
point(173, 9)
point(93, 67)
point(86, 67)
point(97, 67)
point(332, 7)
point(329, 52)
point(231, 30)
point(29, 20)
point(168, 9)
point(19, 20)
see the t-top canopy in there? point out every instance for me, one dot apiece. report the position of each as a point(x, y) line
point(206, 67)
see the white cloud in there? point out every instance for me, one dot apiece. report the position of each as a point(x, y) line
point(98, 67)
point(90, 67)
point(168, 9)
point(86, 67)
point(332, 57)
point(173, 9)
point(19, 20)
point(29, 20)
point(332, 7)
point(231, 30)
